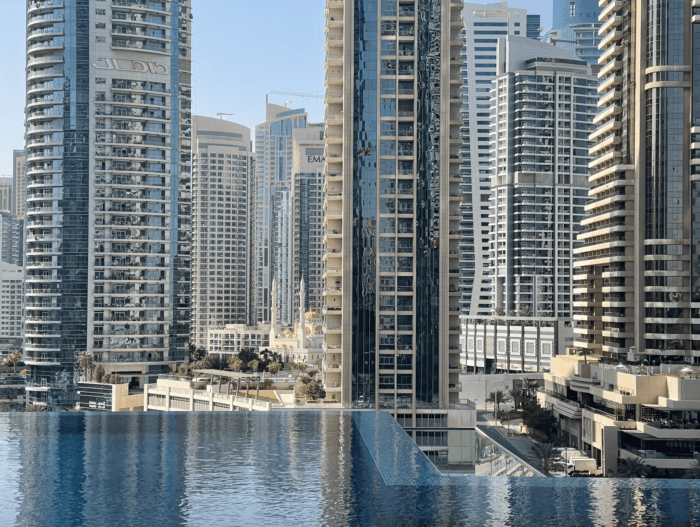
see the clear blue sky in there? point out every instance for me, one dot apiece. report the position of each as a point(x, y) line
point(242, 50)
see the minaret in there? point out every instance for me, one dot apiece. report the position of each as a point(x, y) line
point(302, 318)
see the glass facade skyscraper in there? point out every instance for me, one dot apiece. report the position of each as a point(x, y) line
point(568, 12)
point(640, 264)
point(273, 149)
point(308, 213)
point(392, 218)
point(108, 190)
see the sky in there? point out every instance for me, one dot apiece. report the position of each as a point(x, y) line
point(243, 50)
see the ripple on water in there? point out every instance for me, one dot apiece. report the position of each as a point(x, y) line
point(278, 468)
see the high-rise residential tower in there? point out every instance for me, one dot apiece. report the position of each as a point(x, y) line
point(392, 181)
point(640, 260)
point(581, 40)
point(308, 225)
point(484, 25)
point(221, 211)
point(544, 102)
point(7, 200)
point(568, 12)
point(108, 190)
point(19, 182)
point(11, 239)
point(273, 149)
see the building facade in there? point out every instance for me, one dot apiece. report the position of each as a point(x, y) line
point(534, 27)
point(19, 181)
point(392, 219)
point(11, 239)
point(484, 25)
point(544, 104)
point(11, 300)
point(639, 282)
point(108, 128)
point(568, 12)
point(7, 199)
point(221, 211)
point(273, 242)
point(581, 40)
point(308, 214)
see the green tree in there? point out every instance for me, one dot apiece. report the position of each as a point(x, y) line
point(497, 398)
point(13, 360)
point(87, 364)
point(309, 388)
point(499, 312)
point(313, 373)
point(206, 363)
point(693, 472)
point(184, 370)
point(253, 365)
point(98, 373)
point(632, 468)
point(197, 354)
point(515, 395)
point(547, 457)
point(298, 368)
point(529, 388)
point(274, 368)
point(539, 419)
point(112, 379)
point(235, 363)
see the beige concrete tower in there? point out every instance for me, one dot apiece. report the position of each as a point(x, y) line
point(639, 283)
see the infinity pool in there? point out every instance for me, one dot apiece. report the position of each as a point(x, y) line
point(278, 468)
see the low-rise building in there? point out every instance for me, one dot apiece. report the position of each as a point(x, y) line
point(512, 344)
point(95, 396)
point(11, 390)
point(224, 342)
point(621, 411)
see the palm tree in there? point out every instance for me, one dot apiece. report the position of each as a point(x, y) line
point(693, 472)
point(87, 364)
point(547, 457)
point(585, 353)
point(632, 468)
point(515, 394)
point(498, 397)
point(12, 360)
point(253, 365)
point(528, 387)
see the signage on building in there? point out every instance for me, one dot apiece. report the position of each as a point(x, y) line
point(138, 66)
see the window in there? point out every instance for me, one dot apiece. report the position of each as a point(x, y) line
point(572, 9)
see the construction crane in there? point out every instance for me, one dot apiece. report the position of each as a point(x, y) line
point(220, 115)
point(312, 95)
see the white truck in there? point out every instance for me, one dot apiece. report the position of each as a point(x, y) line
point(581, 464)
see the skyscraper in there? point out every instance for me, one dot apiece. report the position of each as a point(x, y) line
point(568, 12)
point(484, 25)
point(640, 259)
point(544, 102)
point(273, 148)
point(108, 201)
point(392, 219)
point(11, 239)
point(308, 230)
point(581, 40)
point(534, 27)
point(221, 211)
point(7, 200)
point(19, 182)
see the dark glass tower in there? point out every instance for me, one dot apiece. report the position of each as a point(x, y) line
point(393, 120)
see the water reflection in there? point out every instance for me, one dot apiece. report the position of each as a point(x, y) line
point(281, 468)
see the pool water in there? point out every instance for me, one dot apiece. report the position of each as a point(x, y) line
point(278, 468)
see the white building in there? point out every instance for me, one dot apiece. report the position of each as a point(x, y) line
point(544, 102)
point(484, 25)
point(221, 211)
